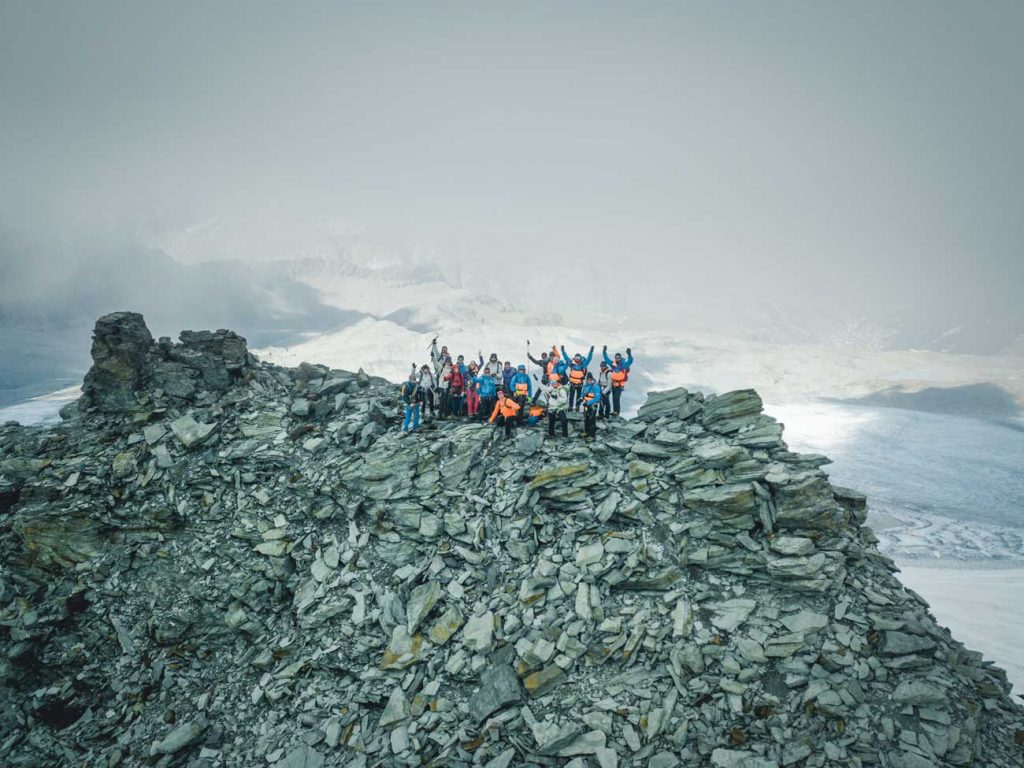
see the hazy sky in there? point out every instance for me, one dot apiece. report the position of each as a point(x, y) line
point(714, 152)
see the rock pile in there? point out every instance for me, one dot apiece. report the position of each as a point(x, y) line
point(214, 561)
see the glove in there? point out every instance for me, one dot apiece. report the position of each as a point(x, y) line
point(629, 351)
point(604, 348)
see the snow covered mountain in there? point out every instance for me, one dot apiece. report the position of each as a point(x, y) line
point(405, 306)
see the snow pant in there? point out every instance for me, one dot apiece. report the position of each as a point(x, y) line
point(457, 404)
point(606, 405)
point(508, 422)
point(443, 408)
point(425, 397)
point(590, 420)
point(575, 393)
point(616, 394)
point(472, 403)
point(487, 406)
point(412, 416)
point(521, 399)
point(562, 420)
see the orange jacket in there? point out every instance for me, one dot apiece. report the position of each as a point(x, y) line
point(507, 408)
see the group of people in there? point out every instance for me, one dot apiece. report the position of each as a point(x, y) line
point(450, 388)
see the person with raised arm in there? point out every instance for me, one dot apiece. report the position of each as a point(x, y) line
point(576, 370)
point(618, 375)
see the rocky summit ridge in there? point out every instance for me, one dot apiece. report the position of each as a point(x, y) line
point(213, 561)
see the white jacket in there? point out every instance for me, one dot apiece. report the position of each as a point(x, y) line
point(441, 368)
point(557, 398)
point(493, 368)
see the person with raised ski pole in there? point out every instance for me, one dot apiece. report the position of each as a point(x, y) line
point(522, 389)
point(504, 413)
point(576, 371)
point(442, 362)
point(408, 394)
point(619, 375)
point(591, 397)
point(542, 363)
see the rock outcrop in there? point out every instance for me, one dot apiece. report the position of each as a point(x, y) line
point(126, 363)
point(215, 561)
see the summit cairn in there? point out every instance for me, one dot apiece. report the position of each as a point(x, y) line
point(216, 561)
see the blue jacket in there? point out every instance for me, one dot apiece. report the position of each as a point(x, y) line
point(611, 363)
point(485, 386)
point(591, 388)
point(560, 369)
point(521, 378)
point(407, 389)
point(506, 376)
point(583, 365)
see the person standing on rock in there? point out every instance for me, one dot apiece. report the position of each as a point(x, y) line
point(472, 392)
point(409, 393)
point(590, 395)
point(522, 389)
point(556, 370)
point(557, 398)
point(604, 382)
point(619, 375)
point(541, 363)
point(577, 372)
point(442, 362)
point(505, 411)
point(427, 386)
point(456, 390)
point(487, 392)
point(506, 375)
point(492, 368)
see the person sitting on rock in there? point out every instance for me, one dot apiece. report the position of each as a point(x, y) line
point(557, 400)
point(521, 389)
point(591, 397)
point(408, 395)
point(577, 371)
point(504, 413)
point(619, 375)
point(535, 411)
point(487, 392)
